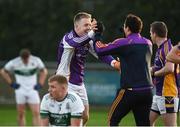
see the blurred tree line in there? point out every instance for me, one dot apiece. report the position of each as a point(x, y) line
point(40, 24)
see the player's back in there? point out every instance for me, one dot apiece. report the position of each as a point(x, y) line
point(135, 63)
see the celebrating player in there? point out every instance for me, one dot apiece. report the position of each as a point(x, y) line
point(134, 52)
point(72, 53)
point(165, 101)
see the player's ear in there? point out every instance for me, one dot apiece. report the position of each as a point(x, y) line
point(127, 28)
point(76, 24)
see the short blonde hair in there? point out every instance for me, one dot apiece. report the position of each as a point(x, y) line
point(81, 15)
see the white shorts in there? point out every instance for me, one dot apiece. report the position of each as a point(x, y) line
point(30, 97)
point(164, 105)
point(79, 90)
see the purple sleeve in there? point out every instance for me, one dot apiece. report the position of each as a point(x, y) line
point(164, 51)
point(76, 41)
point(106, 59)
point(110, 48)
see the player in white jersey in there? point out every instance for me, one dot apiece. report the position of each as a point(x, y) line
point(25, 69)
point(60, 107)
point(72, 52)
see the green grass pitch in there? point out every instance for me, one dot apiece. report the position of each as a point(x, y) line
point(98, 117)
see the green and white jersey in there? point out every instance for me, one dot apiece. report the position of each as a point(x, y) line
point(25, 74)
point(60, 113)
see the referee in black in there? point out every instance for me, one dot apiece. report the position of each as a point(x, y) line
point(135, 54)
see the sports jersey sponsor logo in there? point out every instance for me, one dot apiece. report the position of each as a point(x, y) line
point(60, 119)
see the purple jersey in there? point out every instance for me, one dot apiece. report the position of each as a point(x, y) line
point(165, 85)
point(135, 55)
point(72, 53)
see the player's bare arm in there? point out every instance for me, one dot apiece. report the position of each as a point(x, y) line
point(167, 69)
point(6, 76)
point(42, 76)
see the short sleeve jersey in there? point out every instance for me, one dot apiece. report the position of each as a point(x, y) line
point(60, 113)
point(25, 74)
point(165, 85)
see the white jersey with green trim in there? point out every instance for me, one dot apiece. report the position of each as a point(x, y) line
point(60, 113)
point(25, 74)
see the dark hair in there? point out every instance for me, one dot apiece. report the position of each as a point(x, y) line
point(24, 53)
point(58, 78)
point(134, 23)
point(159, 28)
point(81, 15)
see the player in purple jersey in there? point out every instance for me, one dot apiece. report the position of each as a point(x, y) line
point(134, 52)
point(165, 101)
point(72, 52)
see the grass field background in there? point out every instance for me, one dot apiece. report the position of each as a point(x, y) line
point(98, 117)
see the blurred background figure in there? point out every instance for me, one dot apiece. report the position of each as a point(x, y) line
point(25, 69)
point(60, 107)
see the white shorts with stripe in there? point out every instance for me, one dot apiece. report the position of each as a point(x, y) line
point(164, 105)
